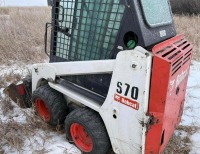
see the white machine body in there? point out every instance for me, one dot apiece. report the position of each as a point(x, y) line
point(124, 111)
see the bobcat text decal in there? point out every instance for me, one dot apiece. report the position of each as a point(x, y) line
point(176, 82)
point(126, 101)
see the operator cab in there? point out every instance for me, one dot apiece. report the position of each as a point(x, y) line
point(99, 29)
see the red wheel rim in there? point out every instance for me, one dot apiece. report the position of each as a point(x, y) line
point(81, 138)
point(42, 110)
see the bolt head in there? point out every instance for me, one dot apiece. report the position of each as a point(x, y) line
point(134, 65)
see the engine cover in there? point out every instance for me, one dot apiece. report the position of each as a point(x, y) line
point(170, 70)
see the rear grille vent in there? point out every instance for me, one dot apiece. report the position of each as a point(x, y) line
point(169, 52)
point(177, 65)
point(166, 48)
point(174, 55)
point(178, 52)
point(187, 57)
point(184, 46)
point(181, 44)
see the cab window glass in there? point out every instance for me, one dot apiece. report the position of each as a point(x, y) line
point(157, 12)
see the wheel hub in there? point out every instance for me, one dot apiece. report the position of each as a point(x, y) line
point(81, 138)
point(42, 109)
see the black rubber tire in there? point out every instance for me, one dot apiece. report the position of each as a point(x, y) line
point(54, 102)
point(94, 126)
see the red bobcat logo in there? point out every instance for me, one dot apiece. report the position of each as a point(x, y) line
point(126, 101)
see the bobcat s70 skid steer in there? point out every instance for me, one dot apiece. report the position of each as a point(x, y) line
point(116, 78)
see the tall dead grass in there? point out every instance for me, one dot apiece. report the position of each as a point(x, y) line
point(188, 7)
point(22, 34)
point(14, 134)
point(189, 26)
point(180, 142)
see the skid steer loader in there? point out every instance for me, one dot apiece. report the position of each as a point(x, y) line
point(116, 78)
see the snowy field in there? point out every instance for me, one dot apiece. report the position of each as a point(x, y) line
point(23, 132)
point(191, 115)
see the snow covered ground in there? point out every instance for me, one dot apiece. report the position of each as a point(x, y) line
point(22, 132)
point(191, 115)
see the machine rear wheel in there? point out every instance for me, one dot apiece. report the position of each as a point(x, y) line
point(50, 105)
point(86, 129)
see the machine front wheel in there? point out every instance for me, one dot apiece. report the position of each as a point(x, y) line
point(50, 105)
point(86, 129)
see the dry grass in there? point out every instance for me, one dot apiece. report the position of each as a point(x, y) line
point(189, 26)
point(22, 34)
point(185, 6)
point(180, 142)
point(17, 134)
point(14, 134)
point(9, 78)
